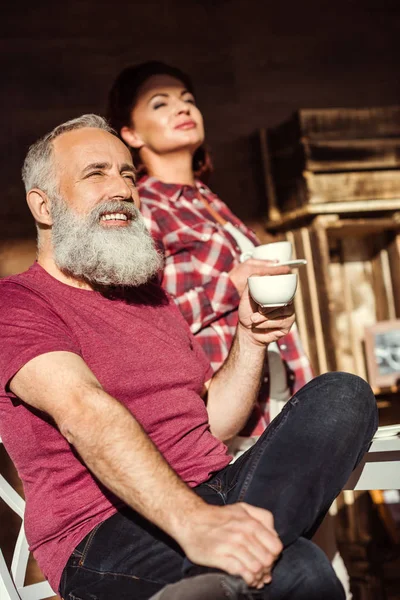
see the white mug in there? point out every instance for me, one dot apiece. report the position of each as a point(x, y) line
point(273, 290)
point(281, 251)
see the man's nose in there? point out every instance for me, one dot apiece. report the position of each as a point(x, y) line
point(120, 189)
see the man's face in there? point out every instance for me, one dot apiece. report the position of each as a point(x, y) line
point(98, 234)
point(93, 167)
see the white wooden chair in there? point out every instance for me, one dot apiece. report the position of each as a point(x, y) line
point(12, 582)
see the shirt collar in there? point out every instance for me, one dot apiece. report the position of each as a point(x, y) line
point(173, 191)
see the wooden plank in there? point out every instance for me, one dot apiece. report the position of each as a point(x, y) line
point(387, 281)
point(336, 124)
point(358, 296)
point(335, 155)
point(320, 249)
point(336, 187)
point(299, 303)
point(311, 329)
point(378, 280)
point(306, 213)
point(363, 226)
point(341, 299)
point(394, 266)
point(273, 210)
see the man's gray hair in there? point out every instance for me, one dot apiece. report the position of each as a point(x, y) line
point(38, 169)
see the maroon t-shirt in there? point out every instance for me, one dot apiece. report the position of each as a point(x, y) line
point(142, 352)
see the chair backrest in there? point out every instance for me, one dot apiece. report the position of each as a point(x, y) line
point(12, 582)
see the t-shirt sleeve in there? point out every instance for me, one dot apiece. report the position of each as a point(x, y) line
point(29, 327)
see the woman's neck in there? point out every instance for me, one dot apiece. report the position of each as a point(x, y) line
point(174, 167)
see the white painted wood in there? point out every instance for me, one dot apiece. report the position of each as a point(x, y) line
point(380, 468)
point(12, 583)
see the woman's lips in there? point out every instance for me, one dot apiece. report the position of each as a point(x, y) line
point(186, 125)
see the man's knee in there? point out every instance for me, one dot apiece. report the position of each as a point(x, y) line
point(342, 388)
point(305, 573)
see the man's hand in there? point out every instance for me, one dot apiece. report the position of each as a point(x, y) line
point(264, 325)
point(253, 266)
point(238, 538)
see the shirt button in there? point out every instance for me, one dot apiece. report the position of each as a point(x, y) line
point(202, 189)
point(283, 347)
point(204, 237)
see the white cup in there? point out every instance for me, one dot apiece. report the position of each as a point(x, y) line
point(281, 251)
point(273, 290)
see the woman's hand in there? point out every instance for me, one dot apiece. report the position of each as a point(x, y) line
point(264, 325)
point(254, 266)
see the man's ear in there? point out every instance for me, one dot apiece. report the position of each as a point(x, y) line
point(132, 138)
point(39, 205)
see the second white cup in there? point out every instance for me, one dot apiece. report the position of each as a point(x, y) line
point(281, 251)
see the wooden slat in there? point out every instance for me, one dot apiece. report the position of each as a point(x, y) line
point(307, 212)
point(341, 298)
point(358, 296)
point(320, 251)
point(335, 155)
point(313, 255)
point(299, 304)
point(336, 187)
point(311, 330)
point(273, 210)
point(336, 123)
point(378, 281)
point(394, 266)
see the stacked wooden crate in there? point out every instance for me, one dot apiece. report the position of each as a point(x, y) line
point(333, 186)
point(333, 160)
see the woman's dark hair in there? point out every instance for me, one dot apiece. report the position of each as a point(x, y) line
point(122, 99)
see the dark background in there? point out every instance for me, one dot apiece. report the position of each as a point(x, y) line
point(253, 63)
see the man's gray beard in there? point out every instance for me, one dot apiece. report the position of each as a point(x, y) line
point(114, 256)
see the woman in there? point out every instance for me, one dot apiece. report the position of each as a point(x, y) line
point(152, 106)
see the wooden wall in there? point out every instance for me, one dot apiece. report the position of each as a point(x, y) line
point(253, 62)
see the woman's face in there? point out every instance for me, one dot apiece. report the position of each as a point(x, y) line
point(165, 118)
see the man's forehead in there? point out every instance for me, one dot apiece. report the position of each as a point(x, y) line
point(87, 145)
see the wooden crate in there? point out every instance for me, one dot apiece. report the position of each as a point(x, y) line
point(333, 160)
point(352, 280)
point(337, 123)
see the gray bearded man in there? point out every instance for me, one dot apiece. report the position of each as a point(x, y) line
point(110, 412)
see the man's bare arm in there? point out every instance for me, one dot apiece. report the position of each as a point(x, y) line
point(233, 390)
point(238, 539)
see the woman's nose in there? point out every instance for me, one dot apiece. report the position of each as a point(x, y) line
point(183, 107)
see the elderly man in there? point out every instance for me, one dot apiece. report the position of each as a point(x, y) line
point(117, 434)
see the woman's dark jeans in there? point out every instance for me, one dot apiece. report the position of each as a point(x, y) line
point(295, 470)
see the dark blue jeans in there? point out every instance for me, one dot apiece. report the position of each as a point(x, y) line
point(295, 470)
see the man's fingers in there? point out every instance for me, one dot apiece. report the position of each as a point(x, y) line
point(260, 514)
point(276, 312)
point(234, 566)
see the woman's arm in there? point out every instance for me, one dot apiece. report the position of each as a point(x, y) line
point(203, 299)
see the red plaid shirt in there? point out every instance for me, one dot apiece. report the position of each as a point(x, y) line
point(199, 253)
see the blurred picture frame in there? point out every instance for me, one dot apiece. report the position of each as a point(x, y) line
point(382, 352)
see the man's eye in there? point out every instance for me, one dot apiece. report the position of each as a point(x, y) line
point(95, 173)
point(131, 177)
point(191, 101)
